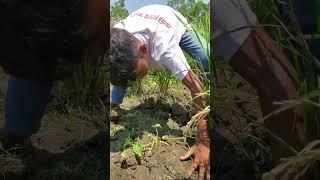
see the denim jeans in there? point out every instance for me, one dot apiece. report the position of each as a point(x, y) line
point(189, 45)
point(25, 105)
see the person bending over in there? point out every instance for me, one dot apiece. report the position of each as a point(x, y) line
point(155, 36)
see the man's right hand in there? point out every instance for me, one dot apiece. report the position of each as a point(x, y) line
point(201, 152)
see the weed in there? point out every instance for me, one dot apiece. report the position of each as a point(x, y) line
point(296, 166)
point(155, 139)
point(138, 147)
point(82, 85)
point(137, 87)
point(163, 78)
point(201, 28)
point(115, 128)
point(135, 145)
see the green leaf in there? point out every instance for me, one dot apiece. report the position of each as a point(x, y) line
point(124, 153)
point(128, 142)
point(138, 149)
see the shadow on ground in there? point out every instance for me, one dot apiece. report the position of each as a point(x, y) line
point(141, 118)
point(86, 160)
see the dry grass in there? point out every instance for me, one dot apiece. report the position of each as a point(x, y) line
point(295, 166)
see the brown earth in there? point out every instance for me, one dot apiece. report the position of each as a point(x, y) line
point(138, 116)
point(74, 144)
point(239, 150)
point(67, 145)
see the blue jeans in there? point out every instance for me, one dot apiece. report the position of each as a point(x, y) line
point(25, 105)
point(187, 44)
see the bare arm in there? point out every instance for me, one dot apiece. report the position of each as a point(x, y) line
point(194, 85)
point(192, 82)
point(201, 150)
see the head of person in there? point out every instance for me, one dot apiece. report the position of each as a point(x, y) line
point(128, 57)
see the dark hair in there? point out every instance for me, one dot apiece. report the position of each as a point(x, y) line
point(123, 57)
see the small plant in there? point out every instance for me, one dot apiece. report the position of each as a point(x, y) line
point(81, 85)
point(155, 139)
point(138, 148)
point(115, 128)
point(137, 87)
point(89, 81)
point(134, 145)
point(163, 80)
point(156, 126)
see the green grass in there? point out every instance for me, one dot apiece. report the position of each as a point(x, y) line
point(164, 79)
point(81, 85)
point(137, 87)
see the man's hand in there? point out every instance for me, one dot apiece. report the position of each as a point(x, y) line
point(201, 151)
point(201, 154)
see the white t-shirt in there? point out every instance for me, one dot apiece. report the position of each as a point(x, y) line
point(160, 28)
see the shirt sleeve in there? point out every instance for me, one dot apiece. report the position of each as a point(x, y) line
point(176, 62)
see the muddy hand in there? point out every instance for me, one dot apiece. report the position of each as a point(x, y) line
point(201, 154)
